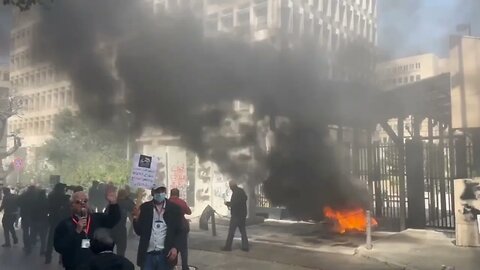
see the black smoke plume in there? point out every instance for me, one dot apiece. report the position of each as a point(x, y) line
point(169, 75)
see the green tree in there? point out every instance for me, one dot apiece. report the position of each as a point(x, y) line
point(24, 5)
point(82, 150)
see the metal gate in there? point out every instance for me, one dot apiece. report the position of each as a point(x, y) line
point(441, 161)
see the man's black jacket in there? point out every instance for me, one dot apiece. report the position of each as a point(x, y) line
point(58, 207)
point(108, 261)
point(238, 203)
point(68, 242)
point(9, 204)
point(143, 228)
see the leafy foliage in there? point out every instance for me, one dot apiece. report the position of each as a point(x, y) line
point(24, 5)
point(81, 150)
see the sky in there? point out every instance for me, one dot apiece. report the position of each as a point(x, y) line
point(409, 27)
point(406, 27)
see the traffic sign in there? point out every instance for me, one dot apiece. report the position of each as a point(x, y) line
point(18, 164)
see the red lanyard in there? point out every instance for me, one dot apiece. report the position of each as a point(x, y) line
point(87, 228)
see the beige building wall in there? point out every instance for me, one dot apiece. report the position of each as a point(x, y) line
point(410, 69)
point(44, 90)
point(465, 79)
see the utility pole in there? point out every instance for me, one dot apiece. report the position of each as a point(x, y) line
point(129, 114)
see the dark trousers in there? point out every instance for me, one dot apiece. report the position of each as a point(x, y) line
point(40, 230)
point(119, 234)
point(51, 232)
point(7, 222)
point(27, 234)
point(183, 246)
point(49, 247)
point(237, 222)
point(156, 261)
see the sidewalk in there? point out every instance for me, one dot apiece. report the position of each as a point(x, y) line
point(298, 235)
point(289, 244)
point(422, 250)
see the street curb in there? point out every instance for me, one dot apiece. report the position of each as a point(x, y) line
point(363, 252)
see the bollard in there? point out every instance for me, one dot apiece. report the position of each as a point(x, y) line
point(214, 227)
point(369, 230)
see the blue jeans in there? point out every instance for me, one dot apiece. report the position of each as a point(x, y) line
point(156, 261)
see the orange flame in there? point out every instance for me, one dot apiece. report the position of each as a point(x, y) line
point(348, 220)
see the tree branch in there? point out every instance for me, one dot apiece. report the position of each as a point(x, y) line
point(17, 144)
point(23, 5)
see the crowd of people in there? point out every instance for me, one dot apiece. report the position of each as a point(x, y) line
point(84, 227)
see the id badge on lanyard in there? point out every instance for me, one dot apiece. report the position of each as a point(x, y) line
point(85, 242)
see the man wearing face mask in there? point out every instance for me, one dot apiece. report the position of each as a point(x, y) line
point(159, 224)
point(72, 235)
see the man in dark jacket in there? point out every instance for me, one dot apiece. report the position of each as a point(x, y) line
point(72, 235)
point(58, 210)
point(26, 203)
point(119, 232)
point(10, 208)
point(104, 259)
point(238, 208)
point(40, 219)
point(159, 224)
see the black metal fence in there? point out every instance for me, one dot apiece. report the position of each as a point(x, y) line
point(379, 166)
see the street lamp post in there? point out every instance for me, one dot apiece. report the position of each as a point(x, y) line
point(129, 114)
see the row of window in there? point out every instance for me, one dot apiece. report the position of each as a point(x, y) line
point(404, 68)
point(403, 80)
point(4, 76)
point(32, 126)
point(37, 77)
point(57, 98)
point(331, 6)
point(21, 60)
point(293, 21)
point(21, 37)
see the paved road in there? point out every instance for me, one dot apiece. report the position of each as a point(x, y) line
point(205, 254)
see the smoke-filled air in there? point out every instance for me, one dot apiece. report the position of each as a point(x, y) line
point(169, 75)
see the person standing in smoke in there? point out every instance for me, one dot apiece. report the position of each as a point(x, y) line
point(100, 200)
point(119, 232)
point(238, 208)
point(72, 235)
point(159, 224)
point(131, 196)
point(58, 210)
point(92, 194)
point(10, 208)
point(26, 203)
point(183, 248)
point(40, 219)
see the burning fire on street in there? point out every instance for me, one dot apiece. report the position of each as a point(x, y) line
point(348, 219)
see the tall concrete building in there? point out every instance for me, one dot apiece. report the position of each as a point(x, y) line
point(410, 69)
point(465, 91)
point(45, 91)
point(332, 24)
point(4, 95)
